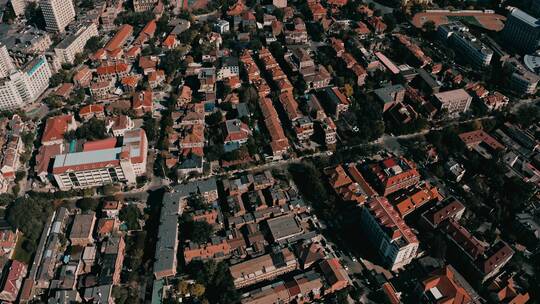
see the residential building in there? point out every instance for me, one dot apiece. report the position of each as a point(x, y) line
point(222, 26)
point(454, 101)
point(8, 239)
point(476, 259)
point(408, 200)
point(522, 81)
point(217, 248)
point(448, 209)
point(336, 276)
point(74, 44)
point(82, 228)
point(521, 31)
point(144, 5)
point(262, 268)
point(91, 111)
point(119, 125)
point(57, 13)
point(396, 243)
point(25, 86)
point(56, 127)
point(283, 227)
point(103, 162)
point(19, 6)
point(6, 63)
point(390, 95)
point(466, 44)
point(393, 174)
point(236, 134)
point(112, 259)
point(83, 77)
point(12, 281)
point(167, 237)
point(481, 142)
point(447, 285)
point(302, 288)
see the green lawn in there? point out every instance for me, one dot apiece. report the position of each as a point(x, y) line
point(20, 253)
point(468, 20)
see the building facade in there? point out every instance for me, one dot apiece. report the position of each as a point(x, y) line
point(454, 101)
point(143, 5)
point(396, 243)
point(522, 31)
point(26, 85)
point(58, 14)
point(458, 37)
point(74, 44)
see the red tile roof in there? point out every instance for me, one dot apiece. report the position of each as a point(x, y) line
point(449, 286)
point(388, 217)
point(120, 38)
point(480, 136)
point(56, 127)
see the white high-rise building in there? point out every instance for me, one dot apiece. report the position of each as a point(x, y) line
point(6, 64)
point(19, 6)
point(58, 14)
point(24, 86)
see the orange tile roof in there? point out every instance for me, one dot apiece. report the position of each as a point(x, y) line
point(170, 41)
point(450, 287)
point(130, 80)
point(92, 108)
point(119, 38)
point(480, 136)
point(56, 127)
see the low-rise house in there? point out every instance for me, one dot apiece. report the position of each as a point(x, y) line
point(8, 239)
point(12, 281)
point(82, 228)
point(143, 102)
point(92, 110)
point(236, 134)
point(217, 248)
point(56, 127)
point(156, 78)
point(262, 268)
point(447, 284)
point(102, 90)
point(83, 77)
point(336, 276)
point(448, 209)
point(481, 142)
point(119, 125)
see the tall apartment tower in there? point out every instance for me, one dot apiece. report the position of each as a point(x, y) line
point(58, 14)
point(6, 64)
point(24, 86)
point(522, 31)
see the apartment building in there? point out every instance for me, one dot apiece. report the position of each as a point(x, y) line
point(172, 206)
point(102, 162)
point(74, 44)
point(82, 228)
point(218, 248)
point(522, 81)
point(521, 31)
point(26, 85)
point(58, 14)
point(386, 230)
point(262, 268)
point(454, 101)
point(6, 64)
point(144, 5)
point(463, 42)
point(12, 281)
point(393, 174)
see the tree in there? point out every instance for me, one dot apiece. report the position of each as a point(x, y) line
point(130, 215)
point(197, 290)
point(171, 62)
point(93, 44)
point(429, 27)
point(217, 280)
point(162, 25)
point(87, 203)
point(150, 126)
point(9, 13)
